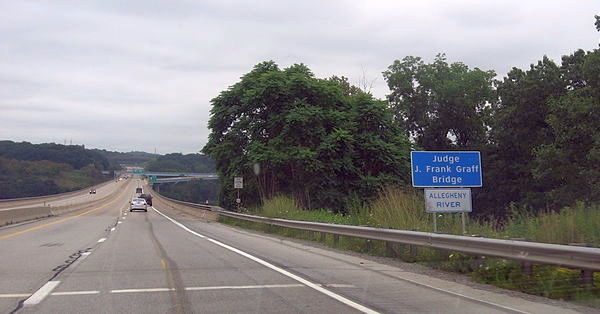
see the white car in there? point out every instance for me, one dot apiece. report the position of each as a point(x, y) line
point(138, 203)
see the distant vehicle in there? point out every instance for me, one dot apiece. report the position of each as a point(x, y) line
point(138, 190)
point(148, 198)
point(93, 191)
point(138, 203)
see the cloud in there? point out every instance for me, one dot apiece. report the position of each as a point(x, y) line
point(139, 75)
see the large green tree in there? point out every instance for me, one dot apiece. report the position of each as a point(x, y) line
point(318, 140)
point(442, 105)
point(519, 126)
point(568, 164)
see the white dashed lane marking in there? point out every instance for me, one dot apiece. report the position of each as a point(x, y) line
point(74, 293)
point(282, 271)
point(41, 294)
point(101, 240)
point(14, 295)
point(146, 290)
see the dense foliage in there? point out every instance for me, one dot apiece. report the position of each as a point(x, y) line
point(319, 140)
point(327, 143)
point(177, 162)
point(544, 144)
point(323, 141)
point(195, 191)
point(31, 170)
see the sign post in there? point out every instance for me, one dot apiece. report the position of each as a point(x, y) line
point(238, 183)
point(447, 177)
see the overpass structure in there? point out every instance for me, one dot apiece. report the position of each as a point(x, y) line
point(174, 177)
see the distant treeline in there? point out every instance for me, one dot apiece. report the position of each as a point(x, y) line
point(74, 155)
point(41, 169)
point(134, 159)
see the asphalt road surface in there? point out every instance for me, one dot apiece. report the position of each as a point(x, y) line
point(109, 260)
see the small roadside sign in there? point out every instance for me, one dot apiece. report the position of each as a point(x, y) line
point(448, 201)
point(446, 168)
point(238, 183)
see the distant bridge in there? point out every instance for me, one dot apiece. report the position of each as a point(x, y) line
point(169, 177)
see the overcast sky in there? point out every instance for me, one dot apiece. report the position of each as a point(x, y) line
point(128, 75)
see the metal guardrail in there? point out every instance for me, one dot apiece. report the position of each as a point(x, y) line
point(585, 258)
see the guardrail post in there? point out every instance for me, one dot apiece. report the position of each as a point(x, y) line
point(413, 250)
point(389, 249)
point(368, 245)
point(336, 239)
point(323, 236)
point(527, 268)
point(443, 255)
point(587, 278)
point(587, 275)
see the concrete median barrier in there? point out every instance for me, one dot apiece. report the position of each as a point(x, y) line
point(12, 216)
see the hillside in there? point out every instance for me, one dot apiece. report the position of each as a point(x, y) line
point(41, 169)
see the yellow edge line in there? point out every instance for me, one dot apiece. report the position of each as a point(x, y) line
point(59, 221)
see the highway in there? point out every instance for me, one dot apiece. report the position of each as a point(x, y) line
point(57, 201)
point(105, 259)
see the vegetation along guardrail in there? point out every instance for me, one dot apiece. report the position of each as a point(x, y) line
point(586, 259)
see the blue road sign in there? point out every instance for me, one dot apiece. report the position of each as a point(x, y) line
point(446, 169)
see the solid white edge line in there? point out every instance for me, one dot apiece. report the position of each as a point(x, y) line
point(41, 294)
point(307, 283)
point(510, 309)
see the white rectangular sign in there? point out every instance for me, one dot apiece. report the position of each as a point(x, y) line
point(238, 183)
point(448, 200)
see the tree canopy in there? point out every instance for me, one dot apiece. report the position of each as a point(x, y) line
point(319, 140)
point(442, 105)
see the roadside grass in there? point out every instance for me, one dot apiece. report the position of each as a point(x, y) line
point(403, 209)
